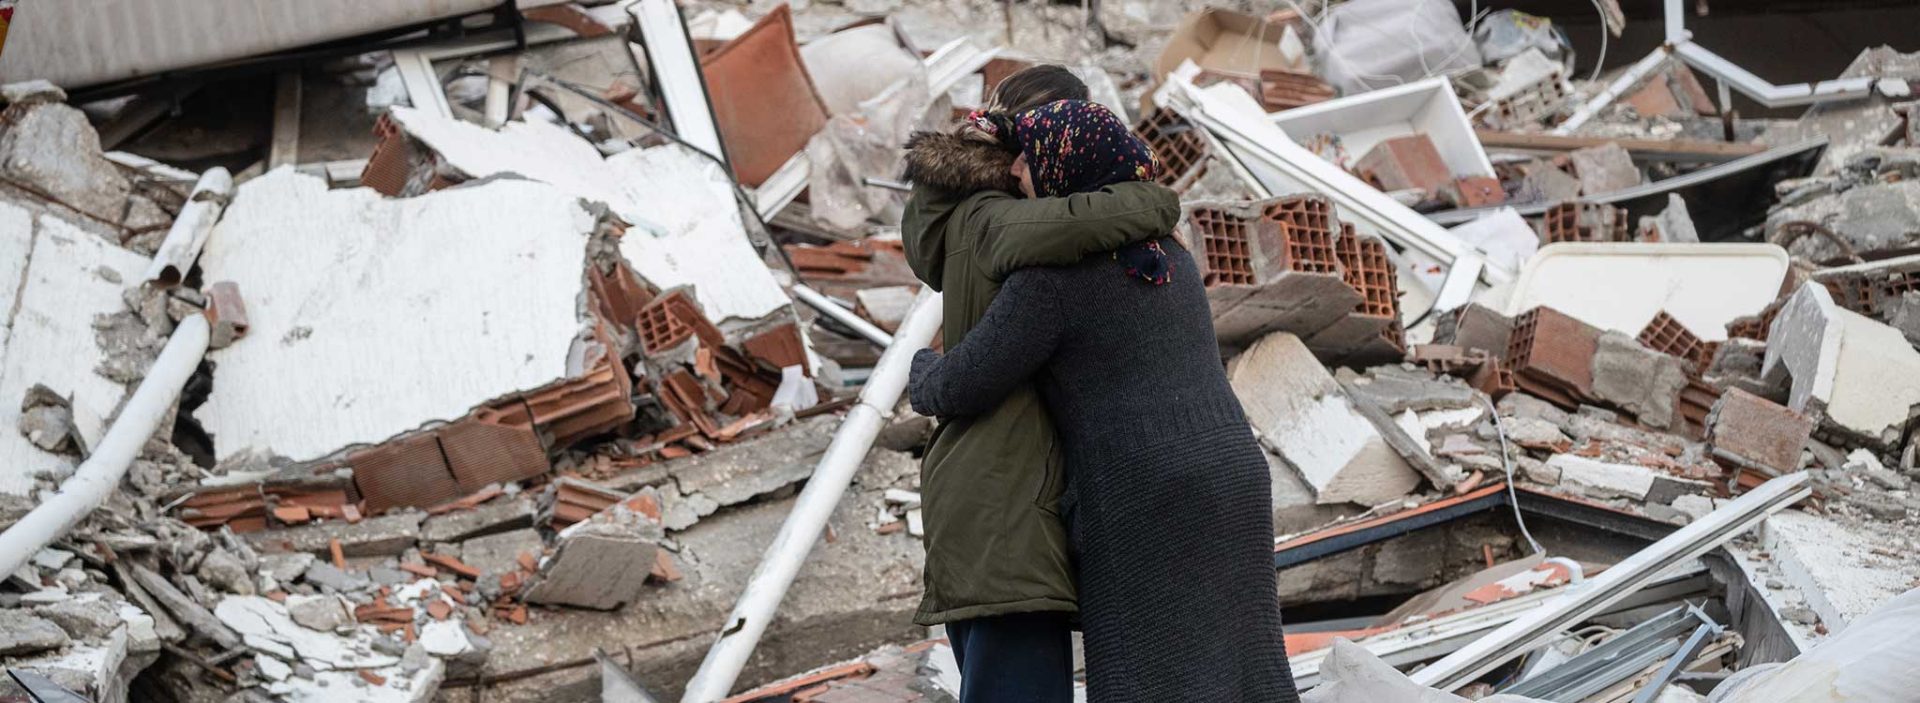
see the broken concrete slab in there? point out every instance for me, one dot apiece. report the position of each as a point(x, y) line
point(266, 627)
point(1604, 480)
point(500, 553)
point(1605, 169)
point(86, 618)
point(602, 562)
point(509, 300)
point(322, 613)
point(1842, 570)
point(692, 233)
point(1872, 217)
point(1860, 377)
point(741, 471)
point(51, 147)
point(22, 633)
point(490, 518)
point(386, 535)
point(55, 281)
point(1396, 389)
point(854, 592)
point(1638, 380)
point(1300, 412)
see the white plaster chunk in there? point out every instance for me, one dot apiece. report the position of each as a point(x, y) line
point(446, 638)
point(687, 230)
point(266, 627)
point(1298, 409)
point(372, 316)
point(1603, 480)
point(1862, 374)
point(50, 290)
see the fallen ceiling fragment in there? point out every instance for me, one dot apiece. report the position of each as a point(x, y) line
point(687, 225)
point(373, 316)
point(54, 279)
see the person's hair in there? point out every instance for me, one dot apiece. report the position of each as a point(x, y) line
point(1034, 86)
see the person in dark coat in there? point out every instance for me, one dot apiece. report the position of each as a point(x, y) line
point(998, 573)
point(1167, 502)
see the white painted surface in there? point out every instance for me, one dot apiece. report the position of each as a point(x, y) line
point(1835, 566)
point(1504, 235)
point(1600, 479)
point(1298, 409)
point(702, 241)
point(371, 316)
point(266, 627)
point(48, 300)
point(687, 229)
point(1621, 286)
point(81, 43)
point(1364, 120)
point(1865, 374)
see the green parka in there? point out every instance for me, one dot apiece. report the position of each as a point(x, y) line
point(990, 485)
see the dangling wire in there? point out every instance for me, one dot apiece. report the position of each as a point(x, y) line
point(1506, 461)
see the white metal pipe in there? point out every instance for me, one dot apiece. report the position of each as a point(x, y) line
point(768, 585)
point(101, 472)
point(1614, 90)
point(827, 306)
point(191, 228)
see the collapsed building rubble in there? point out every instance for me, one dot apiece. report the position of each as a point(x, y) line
point(506, 388)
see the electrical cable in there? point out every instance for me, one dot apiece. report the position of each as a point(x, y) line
point(1506, 461)
point(1601, 61)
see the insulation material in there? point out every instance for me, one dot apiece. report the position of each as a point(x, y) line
point(54, 278)
point(697, 237)
point(458, 297)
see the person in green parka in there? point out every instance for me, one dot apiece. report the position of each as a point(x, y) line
point(999, 572)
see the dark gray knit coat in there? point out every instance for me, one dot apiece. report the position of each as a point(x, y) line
point(1168, 501)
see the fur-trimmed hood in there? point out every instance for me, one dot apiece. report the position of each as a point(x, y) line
point(959, 163)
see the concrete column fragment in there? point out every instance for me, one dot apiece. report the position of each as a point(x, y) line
point(1301, 413)
point(1859, 377)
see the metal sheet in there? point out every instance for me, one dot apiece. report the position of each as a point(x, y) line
point(77, 44)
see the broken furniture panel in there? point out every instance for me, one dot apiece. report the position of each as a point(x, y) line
point(763, 98)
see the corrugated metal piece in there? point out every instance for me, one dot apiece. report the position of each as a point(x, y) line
point(410, 471)
point(493, 446)
point(76, 44)
point(763, 98)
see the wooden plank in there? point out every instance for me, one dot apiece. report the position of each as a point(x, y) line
point(286, 121)
point(1690, 150)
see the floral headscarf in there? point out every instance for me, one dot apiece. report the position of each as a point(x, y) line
point(1075, 146)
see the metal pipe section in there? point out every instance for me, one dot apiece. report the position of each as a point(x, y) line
point(827, 306)
point(101, 472)
point(768, 585)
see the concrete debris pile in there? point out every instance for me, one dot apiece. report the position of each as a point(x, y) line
point(1579, 378)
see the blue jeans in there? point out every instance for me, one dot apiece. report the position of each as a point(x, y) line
point(1018, 658)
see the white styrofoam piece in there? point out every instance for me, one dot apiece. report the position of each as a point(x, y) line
point(82, 43)
point(371, 316)
point(51, 297)
point(1423, 107)
point(1620, 286)
point(687, 225)
point(1504, 235)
